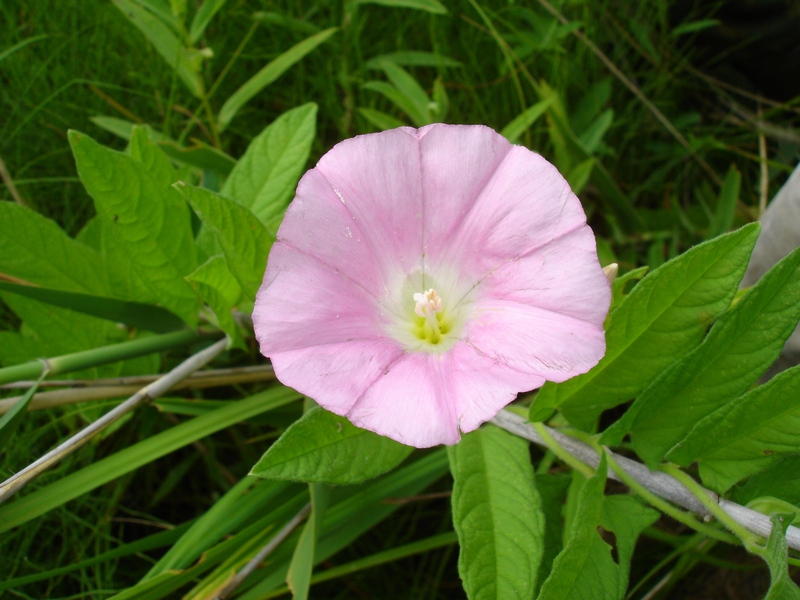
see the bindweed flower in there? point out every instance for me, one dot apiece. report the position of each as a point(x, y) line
point(422, 278)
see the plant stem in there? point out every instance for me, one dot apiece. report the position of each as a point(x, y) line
point(149, 392)
point(660, 484)
point(98, 356)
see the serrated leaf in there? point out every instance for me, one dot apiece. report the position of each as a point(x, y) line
point(218, 287)
point(781, 585)
point(243, 239)
point(737, 350)
point(322, 447)
point(133, 314)
point(146, 226)
point(497, 514)
point(266, 176)
point(664, 316)
point(585, 568)
point(165, 42)
point(35, 249)
point(268, 74)
point(748, 434)
point(431, 6)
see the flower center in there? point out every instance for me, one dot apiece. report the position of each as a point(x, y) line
point(429, 307)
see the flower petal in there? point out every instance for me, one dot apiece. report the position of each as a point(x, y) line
point(412, 402)
point(377, 178)
point(535, 341)
point(563, 276)
point(335, 375)
point(304, 302)
point(525, 205)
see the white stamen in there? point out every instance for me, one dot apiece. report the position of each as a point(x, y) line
point(428, 303)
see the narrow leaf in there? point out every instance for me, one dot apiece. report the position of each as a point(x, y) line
point(299, 576)
point(497, 514)
point(664, 316)
point(268, 74)
point(414, 58)
point(10, 420)
point(431, 6)
point(411, 90)
point(514, 130)
point(726, 203)
point(380, 119)
point(202, 18)
point(19, 46)
point(322, 447)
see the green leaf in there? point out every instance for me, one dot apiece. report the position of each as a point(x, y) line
point(218, 287)
point(166, 44)
point(497, 514)
point(726, 203)
point(143, 149)
point(781, 585)
point(664, 316)
point(618, 292)
point(146, 228)
point(268, 74)
point(16, 513)
point(35, 249)
point(243, 239)
point(10, 420)
point(585, 568)
point(299, 576)
point(132, 314)
point(16, 47)
point(737, 350)
point(380, 119)
point(202, 18)
point(265, 178)
point(579, 175)
point(431, 6)
point(416, 100)
point(749, 433)
point(514, 130)
point(414, 58)
point(626, 517)
point(594, 133)
point(772, 481)
point(693, 26)
point(322, 447)
point(553, 491)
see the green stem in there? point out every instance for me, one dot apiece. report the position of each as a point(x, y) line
point(749, 540)
point(98, 356)
point(665, 507)
point(560, 452)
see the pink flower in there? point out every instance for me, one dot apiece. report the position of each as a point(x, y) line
point(422, 278)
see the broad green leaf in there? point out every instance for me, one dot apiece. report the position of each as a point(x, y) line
point(414, 58)
point(584, 568)
point(243, 239)
point(143, 149)
point(146, 227)
point(726, 203)
point(749, 433)
point(268, 74)
point(416, 100)
point(166, 44)
point(199, 154)
point(16, 348)
point(626, 517)
point(58, 493)
point(299, 576)
point(497, 514)
point(10, 420)
point(663, 317)
point(553, 490)
point(133, 314)
point(772, 481)
point(16, 47)
point(202, 18)
point(380, 119)
point(218, 287)
point(514, 130)
point(36, 250)
point(322, 447)
point(91, 234)
point(265, 178)
point(618, 292)
point(431, 6)
point(739, 348)
point(781, 585)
